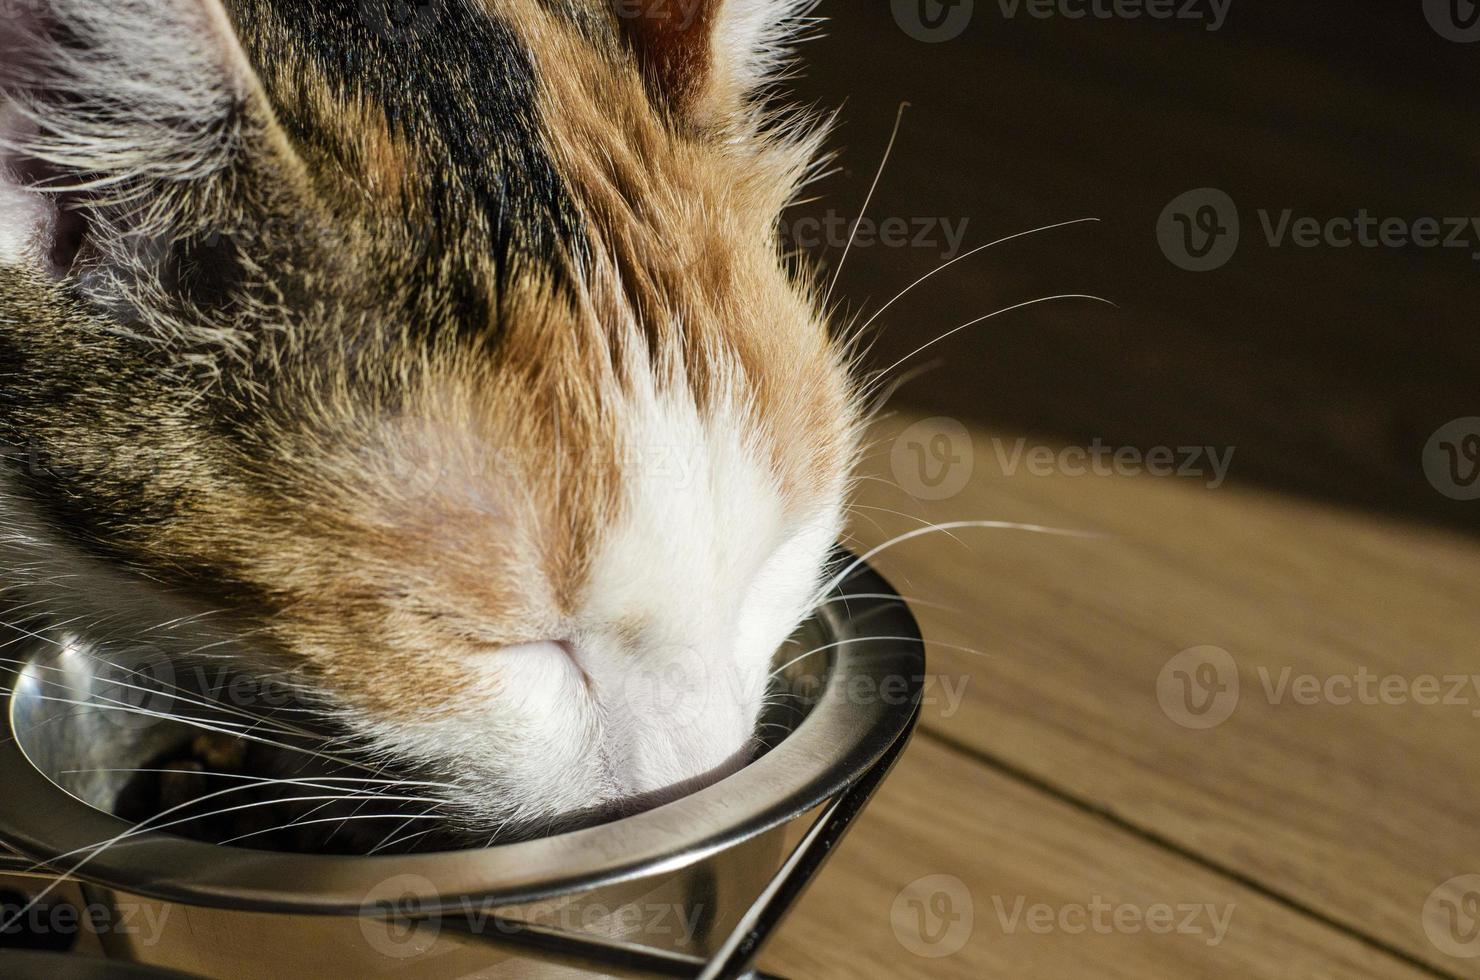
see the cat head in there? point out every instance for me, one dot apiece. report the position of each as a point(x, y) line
point(453, 357)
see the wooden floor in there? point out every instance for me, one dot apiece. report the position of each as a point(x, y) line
point(1065, 815)
point(1326, 808)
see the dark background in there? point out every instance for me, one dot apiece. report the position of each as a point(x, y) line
point(1327, 368)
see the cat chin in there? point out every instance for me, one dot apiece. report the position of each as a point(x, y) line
point(506, 780)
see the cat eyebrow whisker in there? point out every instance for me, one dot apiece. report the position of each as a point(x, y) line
point(869, 390)
point(868, 200)
point(963, 257)
point(874, 413)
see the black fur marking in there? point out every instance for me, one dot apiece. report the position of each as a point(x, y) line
point(456, 82)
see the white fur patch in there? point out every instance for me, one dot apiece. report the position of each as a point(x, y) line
point(692, 591)
point(753, 38)
point(25, 222)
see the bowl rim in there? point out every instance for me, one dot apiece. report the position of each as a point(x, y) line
point(840, 739)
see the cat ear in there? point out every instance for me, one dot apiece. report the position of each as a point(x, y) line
point(115, 116)
point(709, 60)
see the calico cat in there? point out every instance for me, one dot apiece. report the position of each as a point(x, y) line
point(447, 357)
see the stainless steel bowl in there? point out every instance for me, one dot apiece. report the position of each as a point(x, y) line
point(697, 881)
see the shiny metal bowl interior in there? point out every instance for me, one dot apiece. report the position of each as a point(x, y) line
point(66, 764)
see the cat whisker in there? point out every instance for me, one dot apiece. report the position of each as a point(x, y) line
point(963, 257)
point(890, 596)
point(908, 517)
point(198, 723)
point(982, 319)
point(833, 646)
point(28, 634)
point(92, 851)
point(867, 201)
point(386, 841)
point(897, 639)
point(899, 539)
point(269, 779)
point(406, 839)
point(256, 719)
point(308, 823)
point(231, 728)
